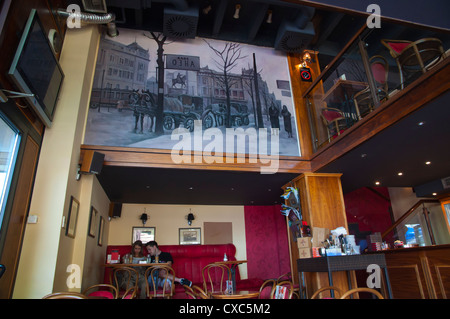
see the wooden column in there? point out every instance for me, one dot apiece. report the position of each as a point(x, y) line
point(322, 205)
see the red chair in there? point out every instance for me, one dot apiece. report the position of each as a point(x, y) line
point(363, 100)
point(102, 291)
point(410, 56)
point(215, 277)
point(335, 122)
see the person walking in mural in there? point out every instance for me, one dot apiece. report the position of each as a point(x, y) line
point(274, 119)
point(287, 120)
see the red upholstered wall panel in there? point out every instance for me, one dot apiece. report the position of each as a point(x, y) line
point(267, 242)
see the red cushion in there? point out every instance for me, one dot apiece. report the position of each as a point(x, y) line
point(398, 46)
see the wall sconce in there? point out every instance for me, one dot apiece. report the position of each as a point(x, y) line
point(269, 16)
point(144, 217)
point(207, 9)
point(236, 12)
point(190, 217)
point(306, 59)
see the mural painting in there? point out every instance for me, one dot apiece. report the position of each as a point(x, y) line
point(147, 88)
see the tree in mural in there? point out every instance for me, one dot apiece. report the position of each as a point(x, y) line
point(160, 40)
point(227, 59)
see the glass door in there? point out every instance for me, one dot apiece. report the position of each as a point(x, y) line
point(9, 144)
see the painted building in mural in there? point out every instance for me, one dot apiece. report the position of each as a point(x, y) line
point(119, 70)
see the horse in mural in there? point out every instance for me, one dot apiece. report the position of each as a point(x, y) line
point(144, 104)
point(180, 79)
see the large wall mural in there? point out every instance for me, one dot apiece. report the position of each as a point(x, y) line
point(149, 92)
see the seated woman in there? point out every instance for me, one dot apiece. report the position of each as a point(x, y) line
point(137, 256)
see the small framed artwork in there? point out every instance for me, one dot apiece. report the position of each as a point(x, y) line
point(144, 234)
point(92, 222)
point(72, 217)
point(190, 236)
point(101, 226)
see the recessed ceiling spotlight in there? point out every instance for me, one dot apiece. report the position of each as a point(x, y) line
point(421, 123)
point(434, 194)
point(191, 188)
point(363, 155)
point(377, 183)
point(428, 163)
point(399, 173)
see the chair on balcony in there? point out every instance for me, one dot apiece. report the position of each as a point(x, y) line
point(102, 291)
point(363, 100)
point(334, 121)
point(419, 55)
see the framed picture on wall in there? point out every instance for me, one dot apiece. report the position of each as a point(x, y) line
point(92, 222)
point(190, 236)
point(144, 234)
point(72, 217)
point(101, 227)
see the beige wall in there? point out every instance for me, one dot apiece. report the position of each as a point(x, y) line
point(46, 251)
point(169, 218)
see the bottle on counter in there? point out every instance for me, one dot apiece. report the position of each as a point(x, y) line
point(225, 258)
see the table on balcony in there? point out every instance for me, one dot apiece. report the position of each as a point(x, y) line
point(342, 93)
point(343, 263)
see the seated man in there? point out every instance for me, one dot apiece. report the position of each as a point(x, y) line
point(158, 256)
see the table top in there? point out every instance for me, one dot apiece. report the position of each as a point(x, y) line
point(231, 262)
point(136, 265)
point(340, 263)
point(240, 294)
point(337, 92)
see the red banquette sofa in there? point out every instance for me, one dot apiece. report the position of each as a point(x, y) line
point(188, 262)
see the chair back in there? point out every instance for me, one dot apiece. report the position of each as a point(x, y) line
point(362, 289)
point(316, 294)
point(282, 290)
point(395, 47)
point(122, 279)
point(130, 293)
point(157, 276)
point(380, 70)
point(331, 114)
point(195, 292)
point(266, 289)
point(214, 277)
point(65, 295)
point(105, 291)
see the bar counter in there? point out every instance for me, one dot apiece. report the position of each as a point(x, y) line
point(419, 272)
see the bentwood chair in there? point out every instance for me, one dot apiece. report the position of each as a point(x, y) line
point(121, 279)
point(195, 292)
point(105, 291)
point(317, 293)
point(130, 293)
point(215, 277)
point(363, 100)
point(65, 295)
point(156, 274)
point(288, 276)
point(362, 289)
point(419, 55)
point(265, 291)
point(282, 290)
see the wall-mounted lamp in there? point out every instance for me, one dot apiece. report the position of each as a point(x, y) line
point(306, 59)
point(269, 16)
point(236, 12)
point(144, 217)
point(207, 9)
point(190, 217)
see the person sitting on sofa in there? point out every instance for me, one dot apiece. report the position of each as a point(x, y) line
point(158, 256)
point(137, 255)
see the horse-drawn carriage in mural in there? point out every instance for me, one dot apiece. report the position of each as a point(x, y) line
point(184, 110)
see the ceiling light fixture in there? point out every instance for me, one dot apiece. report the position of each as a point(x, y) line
point(434, 194)
point(428, 163)
point(236, 12)
point(399, 173)
point(377, 183)
point(421, 123)
point(190, 217)
point(144, 217)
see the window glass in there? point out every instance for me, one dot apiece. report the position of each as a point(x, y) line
point(9, 143)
